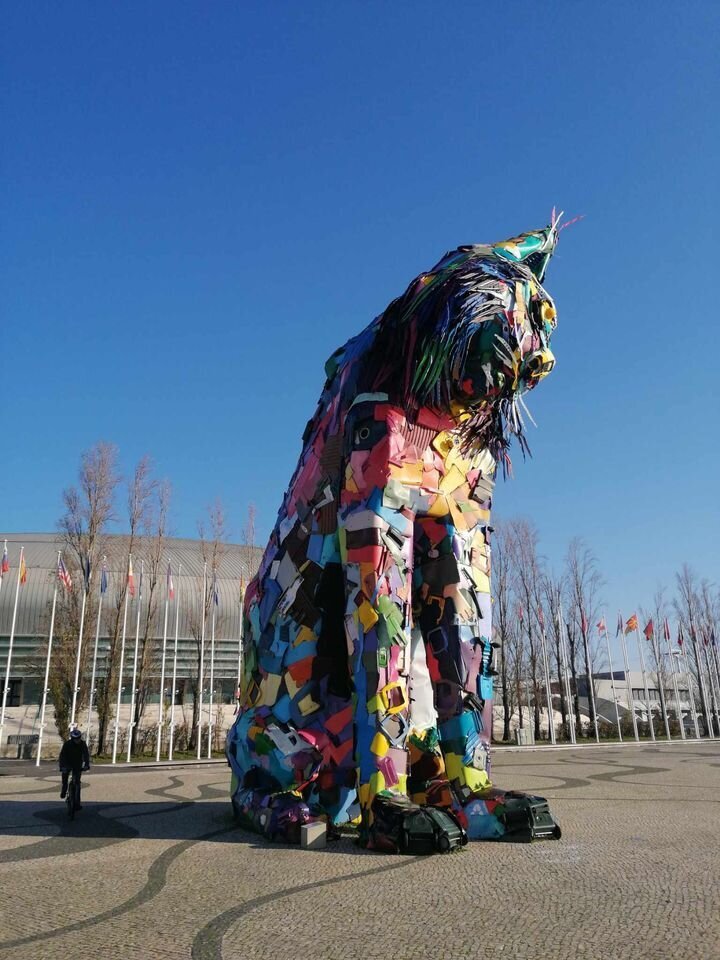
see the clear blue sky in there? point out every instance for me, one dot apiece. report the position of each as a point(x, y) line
point(201, 201)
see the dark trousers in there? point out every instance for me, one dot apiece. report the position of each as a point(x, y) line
point(65, 778)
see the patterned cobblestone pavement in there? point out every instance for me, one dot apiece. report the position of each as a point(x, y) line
point(154, 867)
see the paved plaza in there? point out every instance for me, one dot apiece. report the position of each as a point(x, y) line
point(154, 867)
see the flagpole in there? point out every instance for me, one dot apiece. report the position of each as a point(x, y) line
point(711, 681)
point(612, 677)
point(240, 643)
point(95, 649)
point(678, 708)
point(212, 668)
point(2, 562)
point(10, 648)
point(122, 664)
point(710, 655)
point(47, 667)
point(175, 657)
point(133, 692)
point(693, 708)
point(79, 652)
point(645, 683)
point(701, 680)
point(566, 675)
point(656, 652)
point(162, 678)
point(548, 695)
point(202, 663)
point(591, 686)
point(628, 681)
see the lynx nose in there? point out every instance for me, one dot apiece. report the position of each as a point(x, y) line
point(538, 365)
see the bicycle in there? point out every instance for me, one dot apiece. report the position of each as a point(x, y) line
point(72, 797)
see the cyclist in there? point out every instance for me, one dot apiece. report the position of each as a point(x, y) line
point(74, 756)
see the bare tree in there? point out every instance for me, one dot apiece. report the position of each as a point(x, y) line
point(153, 546)
point(584, 582)
point(552, 590)
point(502, 605)
point(687, 604)
point(212, 547)
point(523, 539)
point(140, 493)
point(89, 509)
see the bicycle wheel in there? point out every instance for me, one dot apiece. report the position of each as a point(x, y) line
point(70, 798)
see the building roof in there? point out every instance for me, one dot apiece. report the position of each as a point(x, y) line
point(185, 557)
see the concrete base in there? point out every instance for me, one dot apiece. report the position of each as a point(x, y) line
point(313, 836)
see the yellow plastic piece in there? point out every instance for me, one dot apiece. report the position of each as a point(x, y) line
point(269, 689)
point(379, 745)
point(453, 479)
point(453, 766)
point(388, 702)
point(304, 634)
point(377, 783)
point(307, 705)
point(409, 473)
point(476, 779)
point(368, 616)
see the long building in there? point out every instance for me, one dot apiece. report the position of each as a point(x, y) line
point(236, 563)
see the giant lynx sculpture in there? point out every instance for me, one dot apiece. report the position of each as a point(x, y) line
point(368, 653)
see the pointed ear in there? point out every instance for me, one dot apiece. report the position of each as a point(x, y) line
point(534, 248)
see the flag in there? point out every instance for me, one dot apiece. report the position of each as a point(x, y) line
point(541, 617)
point(130, 578)
point(87, 572)
point(242, 585)
point(681, 638)
point(583, 622)
point(103, 576)
point(5, 562)
point(63, 576)
point(666, 629)
point(712, 637)
point(216, 599)
point(632, 624)
point(619, 628)
point(601, 625)
point(705, 637)
point(649, 630)
point(520, 613)
point(142, 570)
point(23, 570)
point(170, 585)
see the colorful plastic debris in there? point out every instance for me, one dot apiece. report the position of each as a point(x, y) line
point(368, 658)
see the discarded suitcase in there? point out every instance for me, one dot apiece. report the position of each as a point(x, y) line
point(526, 818)
point(401, 826)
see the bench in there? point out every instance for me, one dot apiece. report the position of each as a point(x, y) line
point(24, 742)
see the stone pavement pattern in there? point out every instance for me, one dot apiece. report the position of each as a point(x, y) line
point(154, 867)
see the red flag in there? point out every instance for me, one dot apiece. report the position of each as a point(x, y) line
point(5, 566)
point(170, 584)
point(666, 629)
point(649, 630)
point(520, 613)
point(131, 578)
point(705, 637)
point(583, 621)
point(681, 638)
point(601, 625)
point(541, 617)
point(632, 624)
